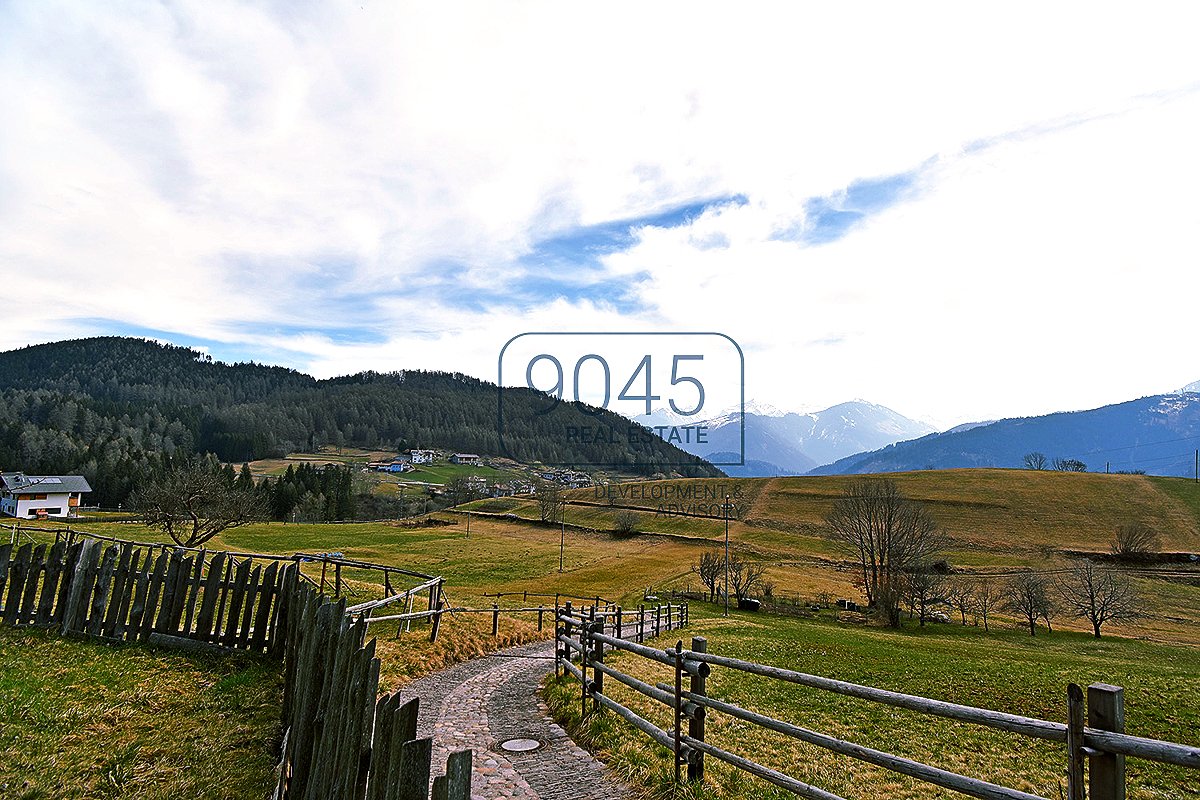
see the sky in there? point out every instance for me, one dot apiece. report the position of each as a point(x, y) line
point(960, 211)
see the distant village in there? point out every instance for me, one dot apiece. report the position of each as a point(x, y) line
point(410, 460)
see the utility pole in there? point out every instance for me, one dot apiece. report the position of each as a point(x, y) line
point(1198, 466)
point(562, 541)
point(726, 509)
point(468, 523)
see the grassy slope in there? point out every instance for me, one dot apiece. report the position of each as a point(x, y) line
point(999, 518)
point(79, 719)
point(1005, 670)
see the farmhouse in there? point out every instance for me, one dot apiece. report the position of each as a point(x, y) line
point(38, 496)
point(422, 456)
point(464, 458)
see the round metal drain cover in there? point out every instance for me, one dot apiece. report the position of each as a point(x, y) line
point(520, 745)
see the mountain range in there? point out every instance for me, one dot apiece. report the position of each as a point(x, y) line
point(1157, 434)
point(793, 443)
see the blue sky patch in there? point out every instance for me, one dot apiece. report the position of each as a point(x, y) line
point(833, 216)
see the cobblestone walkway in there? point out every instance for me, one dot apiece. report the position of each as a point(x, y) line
point(483, 702)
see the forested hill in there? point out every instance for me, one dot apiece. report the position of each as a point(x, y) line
point(106, 407)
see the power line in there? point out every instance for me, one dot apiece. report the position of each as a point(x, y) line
point(1139, 444)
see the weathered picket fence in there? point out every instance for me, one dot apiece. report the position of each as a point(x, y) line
point(122, 591)
point(1093, 733)
point(340, 741)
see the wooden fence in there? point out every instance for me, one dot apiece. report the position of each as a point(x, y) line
point(124, 592)
point(340, 740)
point(1093, 733)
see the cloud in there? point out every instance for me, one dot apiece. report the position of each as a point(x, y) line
point(858, 198)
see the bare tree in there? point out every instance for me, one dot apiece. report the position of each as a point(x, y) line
point(962, 597)
point(1069, 465)
point(985, 596)
point(744, 575)
point(710, 568)
point(193, 503)
point(1135, 539)
point(924, 589)
point(1035, 460)
point(461, 490)
point(1099, 595)
point(888, 533)
point(1027, 596)
point(549, 500)
point(626, 521)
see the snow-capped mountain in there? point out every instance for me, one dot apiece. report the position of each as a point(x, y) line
point(781, 442)
point(1157, 434)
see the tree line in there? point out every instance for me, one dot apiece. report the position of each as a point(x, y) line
point(108, 407)
point(898, 551)
point(194, 499)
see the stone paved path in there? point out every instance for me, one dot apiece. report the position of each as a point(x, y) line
point(485, 701)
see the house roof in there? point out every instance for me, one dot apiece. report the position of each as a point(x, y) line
point(465, 455)
point(20, 482)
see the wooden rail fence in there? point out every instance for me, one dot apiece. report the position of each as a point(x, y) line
point(341, 741)
point(1093, 733)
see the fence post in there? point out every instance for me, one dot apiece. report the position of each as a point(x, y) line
point(618, 622)
point(495, 619)
point(1106, 712)
point(539, 617)
point(1075, 714)
point(597, 658)
point(641, 623)
point(566, 650)
point(585, 643)
point(436, 591)
point(696, 685)
point(669, 618)
point(677, 729)
point(657, 620)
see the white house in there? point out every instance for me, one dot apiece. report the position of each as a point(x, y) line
point(422, 456)
point(37, 496)
point(464, 458)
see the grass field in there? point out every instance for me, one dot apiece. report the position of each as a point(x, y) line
point(446, 472)
point(997, 519)
point(1005, 670)
point(84, 720)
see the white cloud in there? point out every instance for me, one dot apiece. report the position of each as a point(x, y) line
point(234, 172)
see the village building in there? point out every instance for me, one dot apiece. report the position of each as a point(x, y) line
point(41, 496)
point(464, 458)
point(422, 456)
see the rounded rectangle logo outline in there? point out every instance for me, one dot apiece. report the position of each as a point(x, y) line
point(741, 390)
